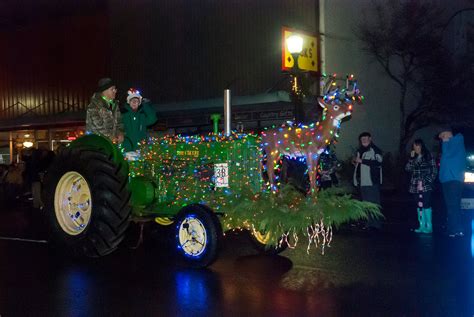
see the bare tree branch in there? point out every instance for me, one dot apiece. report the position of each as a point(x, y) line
point(405, 38)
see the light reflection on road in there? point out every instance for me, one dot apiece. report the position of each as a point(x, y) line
point(75, 291)
point(192, 290)
point(472, 237)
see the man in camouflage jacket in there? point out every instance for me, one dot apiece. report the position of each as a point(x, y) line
point(103, 114)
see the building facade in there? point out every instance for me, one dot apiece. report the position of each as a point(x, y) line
point(182, 54)
point(173, 51)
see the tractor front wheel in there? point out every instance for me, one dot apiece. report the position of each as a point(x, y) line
point(198, 234)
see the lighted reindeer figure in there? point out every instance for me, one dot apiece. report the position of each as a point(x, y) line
point(310, 141)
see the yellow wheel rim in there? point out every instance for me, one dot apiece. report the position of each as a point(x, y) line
point(164, 221)
point(73, 203)
point(192, 236)
point(262, 238)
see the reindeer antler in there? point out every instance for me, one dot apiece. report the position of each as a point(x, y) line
point(333, 93)
point(328, 84)
point(352, 90)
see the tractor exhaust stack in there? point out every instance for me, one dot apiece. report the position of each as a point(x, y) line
point(227, 112)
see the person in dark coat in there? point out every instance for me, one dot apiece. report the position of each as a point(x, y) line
point(368, 173)
point(423, 170)
point(328, 164)
point(451, 176)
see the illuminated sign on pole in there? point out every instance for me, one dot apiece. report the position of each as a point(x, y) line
point(309, 57)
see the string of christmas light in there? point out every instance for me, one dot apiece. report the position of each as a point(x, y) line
point(183, 170)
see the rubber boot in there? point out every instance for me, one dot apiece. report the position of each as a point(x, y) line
point(428, 228)
point(421, 220)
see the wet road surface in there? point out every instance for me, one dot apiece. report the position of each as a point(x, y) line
point(393, 273)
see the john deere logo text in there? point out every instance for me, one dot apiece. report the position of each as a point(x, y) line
point(188, 153)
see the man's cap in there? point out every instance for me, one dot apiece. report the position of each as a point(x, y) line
point(363, 134)
point(104, 84)
point(444, 128)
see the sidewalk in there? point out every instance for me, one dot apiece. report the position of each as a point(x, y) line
point(20, 220)
point(399, 210)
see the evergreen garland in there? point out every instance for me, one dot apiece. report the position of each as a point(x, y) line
point(291, 211)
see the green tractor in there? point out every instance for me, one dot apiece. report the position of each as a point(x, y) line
point(92, 192)
point(201, 185)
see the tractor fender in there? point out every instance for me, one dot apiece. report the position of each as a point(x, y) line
point(103, 145)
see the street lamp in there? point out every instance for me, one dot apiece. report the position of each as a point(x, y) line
point(294, 44)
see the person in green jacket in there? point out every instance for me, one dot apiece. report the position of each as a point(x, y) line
point(137, 116)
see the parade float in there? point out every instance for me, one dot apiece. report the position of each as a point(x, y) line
point(203, 186)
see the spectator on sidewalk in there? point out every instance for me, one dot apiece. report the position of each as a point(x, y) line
point(423, 171)
point(451, 176)
point(42, 159)
point(367, 177)
point(3, 175)
point(14, 181)
point(35, 179)
point(328, 164)
point(27, 163)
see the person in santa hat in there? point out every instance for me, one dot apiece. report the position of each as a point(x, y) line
point(138, 114)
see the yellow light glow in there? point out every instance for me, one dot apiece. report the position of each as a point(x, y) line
point(27, 144)
point(294, 44)
point(468, 177)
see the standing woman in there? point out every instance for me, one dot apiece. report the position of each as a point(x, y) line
point(423, 174)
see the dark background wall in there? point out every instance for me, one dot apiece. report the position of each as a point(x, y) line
point(179, 50)
point(53, 52)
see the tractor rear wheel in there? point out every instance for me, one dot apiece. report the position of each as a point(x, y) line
point(86, 202)
point(260, 241)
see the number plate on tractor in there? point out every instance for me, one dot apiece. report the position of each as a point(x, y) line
point(221, 174)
